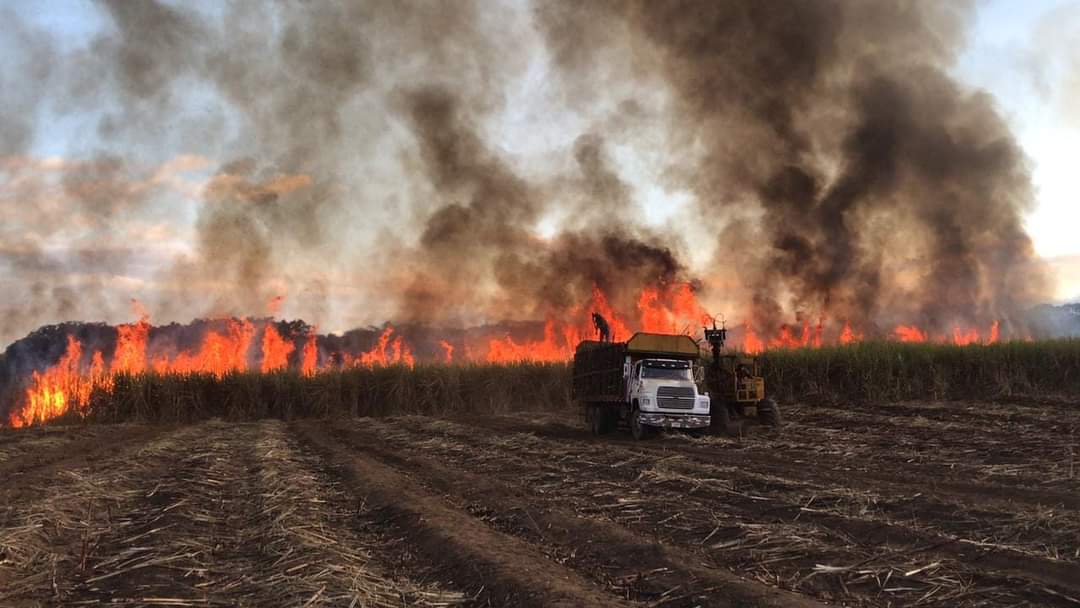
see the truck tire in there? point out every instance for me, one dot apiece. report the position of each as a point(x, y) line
point(601, 420)
point(639, 431)
point(769, 413)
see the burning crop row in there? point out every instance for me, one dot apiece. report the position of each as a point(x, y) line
point(231, 345)
point(869, 371)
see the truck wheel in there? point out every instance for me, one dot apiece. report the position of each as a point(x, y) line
point(592, 417)
point(769, 413)
point(638, 430)
point(601, 420)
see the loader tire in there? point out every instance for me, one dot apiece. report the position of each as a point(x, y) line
point(769, 413)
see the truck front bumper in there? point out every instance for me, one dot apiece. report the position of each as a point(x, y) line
point(674, 421)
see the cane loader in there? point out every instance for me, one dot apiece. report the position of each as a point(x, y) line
point(736, 387)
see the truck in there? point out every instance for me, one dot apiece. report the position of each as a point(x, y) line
point(646, 384)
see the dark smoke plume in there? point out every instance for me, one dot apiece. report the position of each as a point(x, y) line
point(478, 248)
point(883, 191)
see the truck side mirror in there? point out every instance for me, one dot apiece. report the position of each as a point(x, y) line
point(699, 373)
point(626, 370)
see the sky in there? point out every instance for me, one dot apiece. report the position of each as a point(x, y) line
point(1019, 52)
point(1024, 53)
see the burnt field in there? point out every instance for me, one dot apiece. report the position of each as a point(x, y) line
point(909, 504)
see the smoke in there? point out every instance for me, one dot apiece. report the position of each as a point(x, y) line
point(478, 249)
point(877, 188)
point(368, 161)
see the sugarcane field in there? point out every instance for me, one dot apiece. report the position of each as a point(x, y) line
point(539, 304)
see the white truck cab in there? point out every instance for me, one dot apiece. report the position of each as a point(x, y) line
point(663, 394)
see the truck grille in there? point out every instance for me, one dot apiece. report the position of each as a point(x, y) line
point(675, 397)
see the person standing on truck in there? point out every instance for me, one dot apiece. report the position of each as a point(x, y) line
point(602, 328)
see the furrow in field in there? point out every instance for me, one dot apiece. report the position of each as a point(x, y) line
point(1050, 415)
point(500, 569)
point(216, 514)
point(757, 530)
point(827, 456)
point(49, 541)
point(1003, 453)
point(25, 462)
point(627, 564)
point(321, 547)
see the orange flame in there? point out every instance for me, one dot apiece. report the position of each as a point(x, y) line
point(848, 335)
point(219, 355)
point(130, 354)
point(909, 333)
point(59, 388)
point(963, 338)
point(310, 355)
point(275, 350)
point(752, 344)
point(388, 350)
point(448, 351)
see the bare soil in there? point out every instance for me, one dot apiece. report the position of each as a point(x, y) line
point(914, 504)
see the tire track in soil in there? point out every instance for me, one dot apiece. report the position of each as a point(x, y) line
point(216, 514)
point(500, 569)
point(628, 564)
point(860, 466)
point(834, 538)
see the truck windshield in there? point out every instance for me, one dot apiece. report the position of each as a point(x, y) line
point(665, 373)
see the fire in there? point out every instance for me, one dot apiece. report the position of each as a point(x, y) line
point(965, 337)
point(448, 351)
point(960, 336)
point(909, 333)
point(670, 310)
point(310, 355)
point(787, 338)
point(388, 350)
point(67, 385)
point(553, 347)
point(275, 350)
point(231, 347)
point(663, 309)
point(752, 344)
point(848, 335)
point(60, 388)
point(220, 354)
point(130, 354)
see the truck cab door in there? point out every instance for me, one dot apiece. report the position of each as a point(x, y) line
point(635, 381)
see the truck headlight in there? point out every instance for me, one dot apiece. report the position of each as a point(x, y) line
point(703, 402)
point(646, 402)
